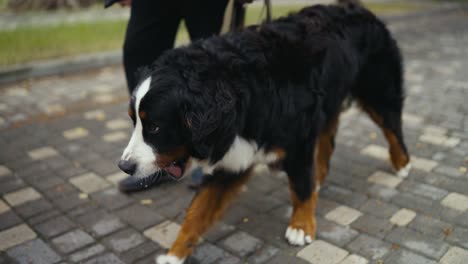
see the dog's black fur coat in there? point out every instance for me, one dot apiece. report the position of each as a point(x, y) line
point(277, 84)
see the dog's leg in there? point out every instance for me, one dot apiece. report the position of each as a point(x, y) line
point(302, 226)
point(324, 150)
point(207, 207)
point(391, 124)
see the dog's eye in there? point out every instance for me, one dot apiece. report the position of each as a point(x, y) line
point(153, 129)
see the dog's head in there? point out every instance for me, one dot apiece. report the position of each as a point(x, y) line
point(157, 141)
point(174, 122)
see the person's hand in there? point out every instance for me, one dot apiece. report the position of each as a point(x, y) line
point(125, 2)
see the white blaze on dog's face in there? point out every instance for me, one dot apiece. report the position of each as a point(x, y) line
point(137, 150)
point(157, 141)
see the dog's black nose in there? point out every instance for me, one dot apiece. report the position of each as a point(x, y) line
point(127, 166)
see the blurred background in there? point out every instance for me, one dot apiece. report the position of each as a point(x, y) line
point(32, 30)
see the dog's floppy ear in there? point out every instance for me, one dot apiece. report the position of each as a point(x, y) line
point(209, 113)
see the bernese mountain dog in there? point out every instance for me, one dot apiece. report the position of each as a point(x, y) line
point(269, 94)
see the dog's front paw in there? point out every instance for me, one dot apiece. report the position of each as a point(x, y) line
point(404, 172)
point(297, 236)
point(169, 259)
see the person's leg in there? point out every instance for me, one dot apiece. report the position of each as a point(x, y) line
point(204, 18)
point(151, 30)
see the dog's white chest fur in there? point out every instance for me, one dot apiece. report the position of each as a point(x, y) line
point(241, 155)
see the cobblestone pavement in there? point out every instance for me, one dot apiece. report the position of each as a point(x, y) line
point(61, 138)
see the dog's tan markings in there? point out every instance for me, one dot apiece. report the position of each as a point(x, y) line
point(398, 155)
point(206, 208)
point(279, 152)
point(131, 113)
point(165, 159)
point(142, 115)
point(303, 215)
point(324, 149)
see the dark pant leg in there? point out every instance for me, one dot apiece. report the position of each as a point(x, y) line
point(150, 31)
point(204, 18)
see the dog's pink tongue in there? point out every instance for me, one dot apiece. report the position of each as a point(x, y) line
point(174, 171)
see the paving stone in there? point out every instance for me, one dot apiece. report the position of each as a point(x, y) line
point(281, 259)
point(89, 183)
point(422, 189)
point(72, 201)
point(382, 192)
point(336, 234)
point(321, 252)
point(458, 236)
point(456, 201)
point(241, 243)
point(108, 258)
point(115, 136)
point(450, 171)
point(146, 249)
point(151, 260)
point(22, 196)
point(405, 256)
point(44, 216)
point(403, 217)
point(3, 207)
point(9, 219)
point(119, 123)
point(97, 114)
point(175, 209)
point(372, 225)
point(4, 171)
point(72, 241)
point(369, 247)
point(411, 119)
point(441, 140)
point(42, 153)
point(342, 195)
point(263, 255)
point(42, 183)
point(266, 228)
point(33, 208)
point(15, 236)
point(33, 252)
point(218, 231)
point(415, 241)
point(455, 255)
point(124, 240)
point(379, 208)
point(87, 252)
point(385, 179)
point(324, 206)
point(101, 166)
point(75, 133)
point(208, 253)
point(263, 203)
point(111, 199)
point(55, 226)
point(146, 217)
point(430, 226)
point(164, 233)
point(417, 203)
point(343, 215)
point(376, 151)
point(100, 223)
point(11, 184)
point(423, 164)
point(354, 259)
point(115, 178)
